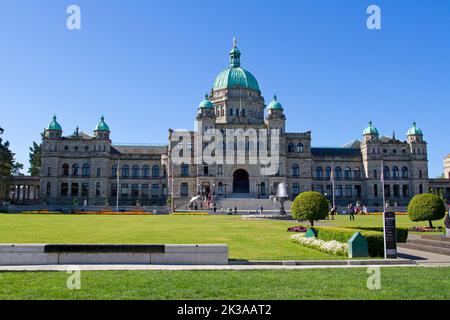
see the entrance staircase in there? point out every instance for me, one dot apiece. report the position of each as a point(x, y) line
point(428, 243)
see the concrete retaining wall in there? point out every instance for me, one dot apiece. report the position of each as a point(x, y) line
point(42, 254)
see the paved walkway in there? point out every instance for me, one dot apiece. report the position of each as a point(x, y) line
point(424, 258)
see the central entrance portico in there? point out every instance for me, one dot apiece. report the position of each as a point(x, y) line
point(241, 183)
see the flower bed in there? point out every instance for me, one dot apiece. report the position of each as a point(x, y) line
point(189, 214)
point(297, 229)
point(332, 247)
point(427, 229)
point(128, 213)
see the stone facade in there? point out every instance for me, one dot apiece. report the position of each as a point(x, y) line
point(81, 167)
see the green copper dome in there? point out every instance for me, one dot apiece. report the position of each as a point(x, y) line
point(234, 75)
point(102, 126)
point(54, 125)
point(274, 104)
point(206, 103)
point(414, 130)
point(370, 129)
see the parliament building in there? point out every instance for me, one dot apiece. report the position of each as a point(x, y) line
point(83, 167)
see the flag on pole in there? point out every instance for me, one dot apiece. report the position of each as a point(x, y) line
point(382, 173)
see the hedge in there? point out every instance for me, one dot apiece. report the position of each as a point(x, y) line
point(402, 233)
point(375, 239)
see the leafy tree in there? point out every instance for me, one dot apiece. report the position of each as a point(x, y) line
point(8, 167)
point(35, 159)
point(426, 207)
point(309, 206)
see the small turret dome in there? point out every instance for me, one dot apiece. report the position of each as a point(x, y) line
point(206, 104)
point(414, 130)
point(102, 126)
point(54, 125)
point(275, 104)
point(370, 130)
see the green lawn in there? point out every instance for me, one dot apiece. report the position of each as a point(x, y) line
point(252, 240)
point(247, 239)
point(396, 283)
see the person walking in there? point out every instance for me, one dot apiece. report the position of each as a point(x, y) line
point(351, 212)
point(214, 208)
point(262, 210)
point(235, 210)
point(333, 212)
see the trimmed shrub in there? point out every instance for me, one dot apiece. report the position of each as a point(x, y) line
point(402, 232)
point(375, 239)
point(426, 207)
point(309, 206)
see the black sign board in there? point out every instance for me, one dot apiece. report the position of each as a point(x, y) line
point(390, 236)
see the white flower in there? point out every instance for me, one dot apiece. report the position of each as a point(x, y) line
point(332, 247)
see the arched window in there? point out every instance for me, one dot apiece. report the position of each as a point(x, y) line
point(65, 169)
point(85, 170)
point(184, 169)
point(114, 171)
point(75, 169)
point(395, 172)
point(145, 171)
point(319, 172)
point(328, 172)
point(125, 171)
point(338, 172)
point(347, 173)
point(300, 147)
point(405, 172)
point(231, 112)
point(295, 170)
point(386, 172)
point(243, 112)
point(155, 171)
point(290, 147)
point(135, 171)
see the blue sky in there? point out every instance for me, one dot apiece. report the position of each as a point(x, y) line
point(146, 65)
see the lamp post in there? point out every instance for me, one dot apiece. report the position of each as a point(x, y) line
point(258, 188)
point(118, 183)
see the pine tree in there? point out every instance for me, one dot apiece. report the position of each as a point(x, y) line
point(8, 167)
point(35, 159)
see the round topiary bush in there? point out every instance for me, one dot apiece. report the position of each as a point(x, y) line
point(426, 207)
point(309, 206)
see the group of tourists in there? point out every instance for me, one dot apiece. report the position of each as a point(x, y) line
point(351, 210)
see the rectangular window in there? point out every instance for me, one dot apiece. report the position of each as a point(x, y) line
point(318, 188)
point(124, 190)
point(99, 171)
point(49, 171)
point(184, 189)
point(97, 189)
point(144, 190)
point(387, 190)
point(74, 189)
point(155, 189)
point(348, 191)
point(406, 190)
point(338, 190)
point(64, 189)
point(358, 190)
point(113, 189)
point(85, 189)
point(396, 190)
point(135, 190)
point(295, 189)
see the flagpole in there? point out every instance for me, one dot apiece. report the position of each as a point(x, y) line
point(382, 186)
point(333, 184)
point(117, 187)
